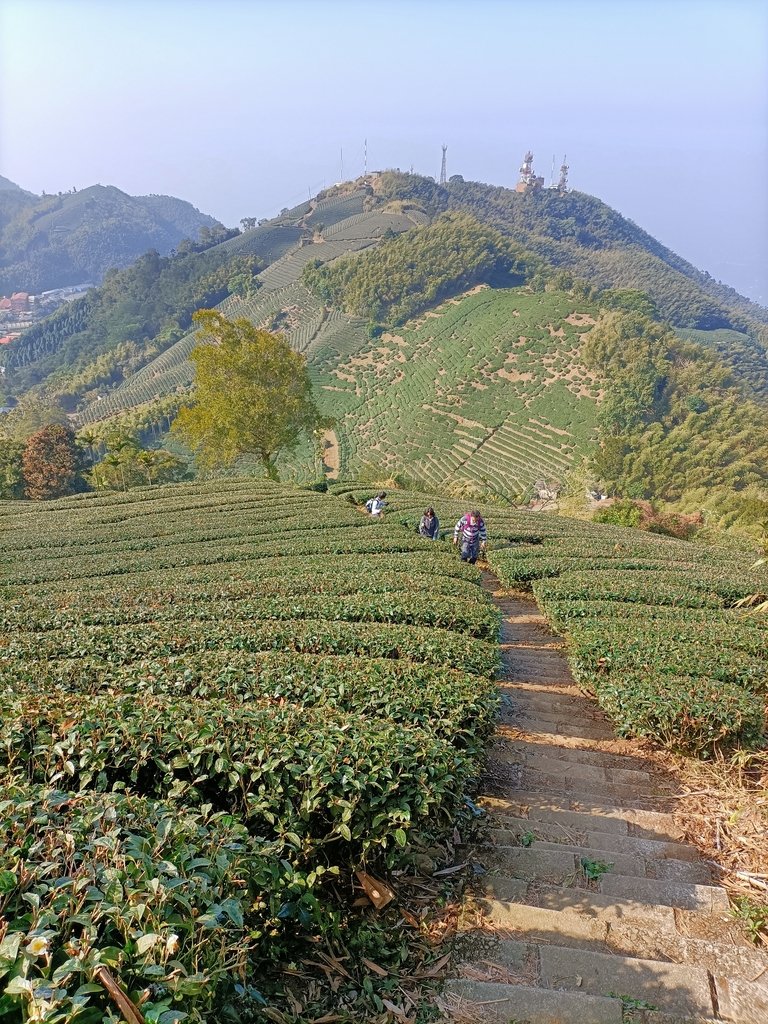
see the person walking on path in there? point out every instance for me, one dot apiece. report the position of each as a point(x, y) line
point(429, 526)
point(377, 504)
point(470, 530)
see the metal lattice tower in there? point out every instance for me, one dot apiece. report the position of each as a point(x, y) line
point(443, 174)
point(562, 185)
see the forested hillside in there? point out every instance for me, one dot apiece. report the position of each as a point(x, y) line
point(577, 232)
point(674, 423)
point(136, 313)
point(406, 275)
point(49, 242)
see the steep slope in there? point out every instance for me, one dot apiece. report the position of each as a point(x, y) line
point(485, 394)
point(580, 234)
point(282, 302)
point(746, 357)
point(6, 185)
point(51, 241)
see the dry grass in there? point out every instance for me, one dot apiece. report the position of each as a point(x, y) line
point(722, 808)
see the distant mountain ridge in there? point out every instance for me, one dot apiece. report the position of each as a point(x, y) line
point(52, 241)
point(6, 185)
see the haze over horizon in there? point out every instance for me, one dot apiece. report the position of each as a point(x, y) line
point(243, 108)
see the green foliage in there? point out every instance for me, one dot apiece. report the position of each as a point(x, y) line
point(672, 420)
point(754, 917)
point(104, 336)
point(651, 627)
point(170, 900)
point(29, 415)
point(651, 621)
point(211, 717)
point(593, 870)
point(11, 470)
point(404, 275)
point(124, 463)
point(252, 395)
point(745, 357)
point(54, 241)
point(580, 234)
point(621, 513)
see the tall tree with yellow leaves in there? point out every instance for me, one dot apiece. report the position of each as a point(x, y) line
point(252, 395)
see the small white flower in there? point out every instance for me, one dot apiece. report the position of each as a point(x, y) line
point(172, 943)
point(37, 946)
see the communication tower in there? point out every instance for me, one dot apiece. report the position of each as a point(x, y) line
point(562, 185)
point(528, 180)
point(443, 173)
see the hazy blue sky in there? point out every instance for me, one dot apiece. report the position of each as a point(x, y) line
point(241, 107)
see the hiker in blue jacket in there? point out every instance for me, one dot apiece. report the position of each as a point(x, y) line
point(470, 530)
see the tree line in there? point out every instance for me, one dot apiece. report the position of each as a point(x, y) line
point(408, 273)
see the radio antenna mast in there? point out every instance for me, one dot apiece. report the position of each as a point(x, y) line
point(562, 185)
point(443, 176)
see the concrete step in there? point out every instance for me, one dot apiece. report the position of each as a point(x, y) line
point(626, 876)
point(553, 720)
point(577, 755)
point(552, 707)
point(742, 1001)
point(554, 866)
point(543, 726)
point(594, 815)
point(571, 768)
point(574, 917)
point(630, 908)
point(673, 988)
point(687, 895)
point(630, 931)
point(663, 870)
point(507, 831)
point(591, 791)
point(490, 1001)
point(513, 858)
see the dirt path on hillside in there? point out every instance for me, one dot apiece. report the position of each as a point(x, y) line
point(589, 907)
point(331, 455)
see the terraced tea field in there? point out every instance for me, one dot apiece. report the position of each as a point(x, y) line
point(485, 394)
point(282, 302)
point(650, 621)
point(218, 702)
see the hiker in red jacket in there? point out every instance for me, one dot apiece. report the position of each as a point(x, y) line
point(470, 530)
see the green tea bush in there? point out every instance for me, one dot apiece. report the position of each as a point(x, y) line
point(177, 903)
point(651, 627)
point(217, 702)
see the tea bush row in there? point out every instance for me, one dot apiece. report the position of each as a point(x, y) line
point(216, 703)
point(652, 631)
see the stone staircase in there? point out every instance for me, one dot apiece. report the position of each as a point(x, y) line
point(589, 909)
